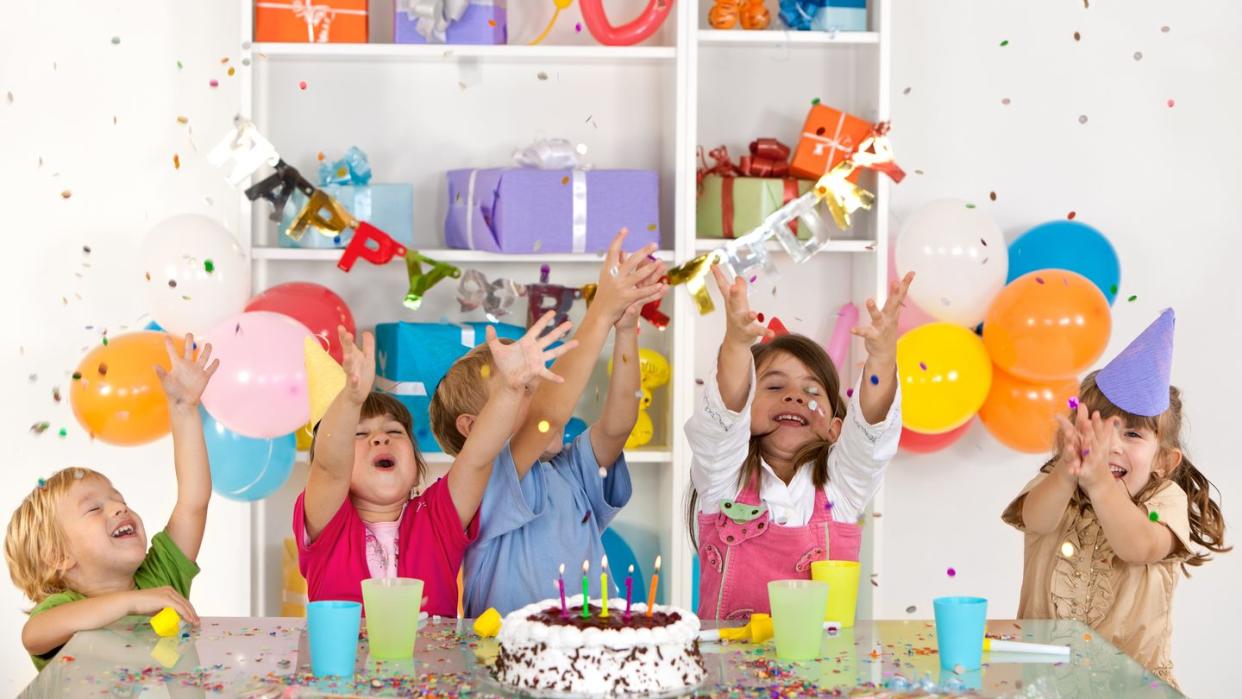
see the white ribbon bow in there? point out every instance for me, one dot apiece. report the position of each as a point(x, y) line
point(433, 17)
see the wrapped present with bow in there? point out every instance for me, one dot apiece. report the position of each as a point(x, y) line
point(829, 136)
point(411, 358)
point(450, 22)
point(825, 15)
point(311, 21)
point(734, 198)
point(389, 207)
point(551, 202)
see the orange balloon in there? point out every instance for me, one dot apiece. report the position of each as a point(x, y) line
point(117, 395)
point(1046, 325)
point(1021, 414)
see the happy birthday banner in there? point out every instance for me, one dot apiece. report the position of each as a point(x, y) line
point(247, 151)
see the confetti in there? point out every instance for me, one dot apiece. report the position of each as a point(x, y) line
point(544, 426)
point(815, 101)
point(1113, 288)
point(77, 375)
point(62, 433)
point(1073, 403)
point(302, 85)
point(176, 161)
point(1154, 516)
point(603, 472)
point(849, 393)
point(541, 75)
point(1005, 101)
point(970, 206)
point(485, 371)
point(1082, 118)
point(698, 382)
point(1077, 36)
point(116, 40)
point(1138, 55)
point(952, 572)
point(209, 266)
point(179, 66)
point(213, 82)
point(65, 194)
point(183, 120)
point(39, 428)
point(232, 71)
point(9, 97)
point(911, 609)
point(1086, 637)
point(172, 283)
point(1005, 43)
point(923, 366)
point(992, 196)
point(103, 369)
point(578, 27)
point(1170, 103)
point(1132, 299)
point(875, 380)
point(1067, 550)
point(55, 394)
point(1071, 215)
point(906, 91)
point(1165, 29)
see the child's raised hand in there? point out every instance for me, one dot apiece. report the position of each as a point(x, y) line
point(185, 382)
point(523, 363)
point(626, 280)
point(1069, 460)
point(358, 363)
point(1098, 437)
point(742, 325)
point(654, 279)
point(880, 337)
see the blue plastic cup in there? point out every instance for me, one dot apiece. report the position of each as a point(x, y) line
point(960, 625)
point(332, 630)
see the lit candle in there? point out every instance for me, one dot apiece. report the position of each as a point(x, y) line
point(603, 587)
point(655, 578)
point(629, 591)
point(586, 590)
point(560, 583)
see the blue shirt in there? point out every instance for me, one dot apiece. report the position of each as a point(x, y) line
point(529, 527)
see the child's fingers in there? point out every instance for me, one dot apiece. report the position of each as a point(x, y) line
point(722, 282)
point(638, 260)
point(159, 371)
point(205, 356)
point(614, 248)
point(211, 369)
point(490, 334)
point(559, 350)
point(547, 375)
point(540, 325)
point(368, 346)
point(555, 334)
point(187, 349)
point(874, 311)
point(170, 348)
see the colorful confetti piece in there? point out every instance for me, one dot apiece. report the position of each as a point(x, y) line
point(301, 84)
point(1005, 101)
point(176, 161)
point(992, 196)
point(39, 428)
point(1170, 103)
point(1138, 55)
point(815, 101)
point(1077, 36)
point(1082, 118)
point(1071, 215)
point(1073, 403)
point(213, 82)
point(62, 433)
point(911, 609)
point(65, 194)
point(544, 426)
point(875, 380)
point(209, 266)
point(1004, 43)
point(1154, 516)
point(1132, 299)
point(116, 40)
point(952, 572)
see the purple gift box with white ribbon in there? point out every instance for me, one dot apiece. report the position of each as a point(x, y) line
point(483, 22)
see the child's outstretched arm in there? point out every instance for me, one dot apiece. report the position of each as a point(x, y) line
point(1135, 539)
point(46, 631)
point(742, 328)
point(879, 385)
point(623, 281)
point(184, 385)
point(1044, 505)
point(327, 484)
point(519, 366)
point(621, 404)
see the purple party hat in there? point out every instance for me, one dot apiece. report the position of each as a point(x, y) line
point(1137, 380)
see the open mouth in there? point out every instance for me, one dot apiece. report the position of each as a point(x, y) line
point(124, 531)
point(384, 462)
point(1117, 471)
point(790, 419)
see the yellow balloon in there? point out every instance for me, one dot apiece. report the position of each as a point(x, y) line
point(643, 430)
point(653, 369)
point(945, 376)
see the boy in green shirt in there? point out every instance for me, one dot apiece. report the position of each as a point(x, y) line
point(76, 549)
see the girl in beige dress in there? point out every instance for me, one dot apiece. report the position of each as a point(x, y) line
point(1119, 512)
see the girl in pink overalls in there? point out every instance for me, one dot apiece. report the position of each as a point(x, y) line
point(782, 469)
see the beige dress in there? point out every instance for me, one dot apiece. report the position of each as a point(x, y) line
point(1073, 573)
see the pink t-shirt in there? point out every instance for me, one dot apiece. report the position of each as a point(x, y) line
point(430, 546)
point(382, 548)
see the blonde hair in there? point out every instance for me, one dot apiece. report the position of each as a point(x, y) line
point(462, 391)
point(34, 544)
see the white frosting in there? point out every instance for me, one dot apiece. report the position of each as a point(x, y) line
point(591, 660)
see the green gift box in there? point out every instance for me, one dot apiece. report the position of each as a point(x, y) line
point(730, 207)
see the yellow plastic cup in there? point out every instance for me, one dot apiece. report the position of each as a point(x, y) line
point(842, 579)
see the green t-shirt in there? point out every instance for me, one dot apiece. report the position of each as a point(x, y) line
point(165, 564)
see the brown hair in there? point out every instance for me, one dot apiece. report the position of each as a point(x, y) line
point(34, 544)
point(462, 391)
point(815, 359)
point(380, 404)
point(1207, 521)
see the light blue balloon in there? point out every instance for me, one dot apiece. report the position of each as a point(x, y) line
point(245, 468)
point(1069, 245)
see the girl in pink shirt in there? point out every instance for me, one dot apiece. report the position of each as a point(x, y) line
point(357, 519)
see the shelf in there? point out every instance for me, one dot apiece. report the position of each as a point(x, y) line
point(708, 244)
point(442, 255)
point(441, 52)
point(781, 38)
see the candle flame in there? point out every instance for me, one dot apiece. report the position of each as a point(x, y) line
point(631, 568)
point(657, 565)
point(604, 563)
point(562, 569)
point(586, 565)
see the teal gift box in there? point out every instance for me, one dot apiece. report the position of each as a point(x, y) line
point(388, 207)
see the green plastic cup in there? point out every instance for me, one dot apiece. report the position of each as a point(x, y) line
point(797, 617)
point(392, 606)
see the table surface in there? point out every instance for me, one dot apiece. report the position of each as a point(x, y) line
point(267, 657)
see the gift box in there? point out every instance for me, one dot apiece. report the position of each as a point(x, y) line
point(828, 137)
point(729, 207)
point(388, 207)
point(483, 22)
point(311, 21)
point(841, 16)
point(411, 358)
point(531, 210)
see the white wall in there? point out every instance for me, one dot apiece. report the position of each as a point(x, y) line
point(1161, 183)
point(1130, 171)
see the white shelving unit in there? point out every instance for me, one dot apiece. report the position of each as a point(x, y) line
point(421, 110)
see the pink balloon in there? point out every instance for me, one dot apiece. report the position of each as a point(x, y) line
point(627, 34)
point(911, 315)
point(919, 443)
point(847, 318)
point(260, 389)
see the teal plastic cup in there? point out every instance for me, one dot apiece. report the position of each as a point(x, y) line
point(332, 630)
point(960, 625)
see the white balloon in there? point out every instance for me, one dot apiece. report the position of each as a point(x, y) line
point(959, 258)
point(197, 275)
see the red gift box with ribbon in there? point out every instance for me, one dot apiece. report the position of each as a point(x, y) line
point(733, 199)
point(828, 137)
point(311, 21)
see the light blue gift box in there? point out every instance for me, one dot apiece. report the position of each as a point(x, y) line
point(841, 16)
point(388, 207)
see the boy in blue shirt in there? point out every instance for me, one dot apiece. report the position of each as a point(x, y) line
point(545, 506)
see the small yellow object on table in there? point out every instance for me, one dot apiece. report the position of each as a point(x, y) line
point(757, 630)
point(165, 651)
point(488, 624)
point(166, 623)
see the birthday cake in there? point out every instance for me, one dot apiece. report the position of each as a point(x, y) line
point(543, 648)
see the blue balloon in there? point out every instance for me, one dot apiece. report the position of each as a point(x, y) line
point(245, 468)
point(1067, 245)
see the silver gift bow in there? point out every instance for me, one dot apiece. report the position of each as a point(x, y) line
point(433, 17)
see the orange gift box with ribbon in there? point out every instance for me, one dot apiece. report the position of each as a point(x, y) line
point(311, 21)
point(828, 137)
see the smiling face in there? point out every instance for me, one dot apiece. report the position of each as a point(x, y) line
point(793, 405)
point(385, 466)
point(1135, 458)
point(1147, 448)
point(103, 537)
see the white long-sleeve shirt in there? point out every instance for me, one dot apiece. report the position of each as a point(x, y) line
point(720, 440)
